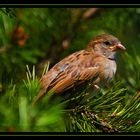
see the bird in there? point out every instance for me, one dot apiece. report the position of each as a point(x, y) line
point(95, 64)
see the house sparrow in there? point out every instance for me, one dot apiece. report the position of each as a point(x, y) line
point(95, 64)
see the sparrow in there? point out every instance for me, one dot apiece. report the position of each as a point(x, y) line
point(95, 64)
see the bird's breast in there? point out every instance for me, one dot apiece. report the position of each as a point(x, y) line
point(107, 71)
point(110, 70)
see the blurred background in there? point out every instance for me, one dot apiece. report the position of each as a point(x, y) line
point(34, 36)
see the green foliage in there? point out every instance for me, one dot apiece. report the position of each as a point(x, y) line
point(132, 68)
point(32, 85)
point(8, 11)
point(23, 116)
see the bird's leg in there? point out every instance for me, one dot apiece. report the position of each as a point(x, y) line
point(96, 87)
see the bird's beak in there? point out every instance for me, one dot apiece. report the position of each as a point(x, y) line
point(119, 46)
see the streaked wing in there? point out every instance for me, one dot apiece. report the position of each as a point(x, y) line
point(73, 70)
point(79, 78)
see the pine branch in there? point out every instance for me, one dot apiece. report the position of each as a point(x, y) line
point(9, 12)
point(108, 111)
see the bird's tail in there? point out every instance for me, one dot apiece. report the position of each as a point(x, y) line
point(39, 96)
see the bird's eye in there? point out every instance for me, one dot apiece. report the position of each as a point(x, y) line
point(107, 43)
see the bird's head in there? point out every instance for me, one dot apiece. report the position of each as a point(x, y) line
point(106, 45)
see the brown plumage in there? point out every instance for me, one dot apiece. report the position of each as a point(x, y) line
point(96, 63)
